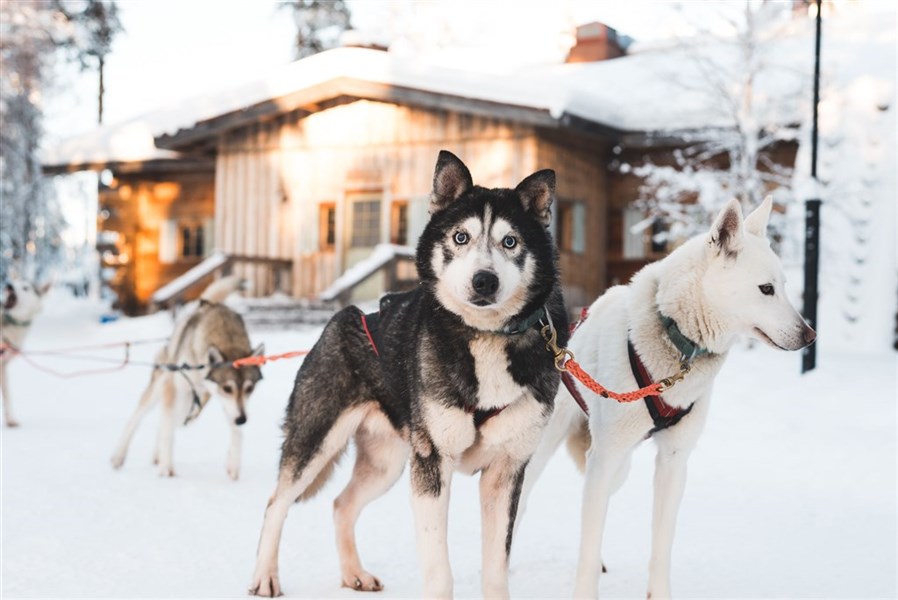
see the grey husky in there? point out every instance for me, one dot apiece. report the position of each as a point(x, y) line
point(454, 373)
point(213, 335)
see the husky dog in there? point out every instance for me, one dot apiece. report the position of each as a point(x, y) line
point(689, 307)
point(21, 303)
point(455, 373)
point(215, 335)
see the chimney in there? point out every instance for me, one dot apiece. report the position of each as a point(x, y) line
point(596, 41)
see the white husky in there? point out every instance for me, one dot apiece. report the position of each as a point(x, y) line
point(20, 304)
point(701, 297)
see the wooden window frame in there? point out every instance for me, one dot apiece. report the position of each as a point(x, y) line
point(398, 224)
point(327, 221)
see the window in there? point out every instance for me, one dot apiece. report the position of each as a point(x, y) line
point(365, 223)
point(634, 233)
point(658, 241)
point(327, 226)
point(193, 241)
point(644, 236)
point(168, 241)
point(399, 223)
point(570, 226)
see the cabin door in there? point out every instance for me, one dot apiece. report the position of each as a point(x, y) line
point(364, 229)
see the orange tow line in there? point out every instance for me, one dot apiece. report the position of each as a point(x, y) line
point(258, 361)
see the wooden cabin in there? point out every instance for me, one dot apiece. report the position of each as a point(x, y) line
point(155, 214)
point(324, 176)
point(310, 170)
point(341, 162)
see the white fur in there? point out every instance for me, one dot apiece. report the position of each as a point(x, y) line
point(712, 293)
point(265, 576)
point(483, 252)
point(26, 308)
point(496, 386)
point(451, 428)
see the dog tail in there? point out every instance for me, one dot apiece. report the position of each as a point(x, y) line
point(578, 442)
point(219, 290)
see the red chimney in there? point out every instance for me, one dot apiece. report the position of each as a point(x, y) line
point(596, 41)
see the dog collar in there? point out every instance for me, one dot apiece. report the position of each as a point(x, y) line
point(10, 320)
point(689, 349)
point(525, 324)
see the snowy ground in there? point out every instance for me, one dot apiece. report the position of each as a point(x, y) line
point(792, 491)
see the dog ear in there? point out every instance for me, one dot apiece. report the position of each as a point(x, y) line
point(259, 350)
point(726, 232)
point(756, 221)
point(44, 288)
point(215, 356)
point(537, 193)
point(451, 179)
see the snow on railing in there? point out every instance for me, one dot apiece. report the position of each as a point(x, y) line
point(382, 256)
point(190, 278)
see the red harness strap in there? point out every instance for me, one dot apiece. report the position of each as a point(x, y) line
point(663, 414)
point(566, 378)
point(482, 416)
point(368, 333)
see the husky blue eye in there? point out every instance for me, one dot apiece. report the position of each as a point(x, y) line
point(461, 238)
point(766, 289)
point(509, 242)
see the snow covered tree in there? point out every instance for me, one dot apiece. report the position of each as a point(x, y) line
point(97, 23)
point(723, 75)
point(32, 35)
point(319, 24)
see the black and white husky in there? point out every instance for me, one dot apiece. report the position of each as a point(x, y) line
point(455, 373)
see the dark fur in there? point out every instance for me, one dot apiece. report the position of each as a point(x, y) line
point(343, 371)
point(423, 349)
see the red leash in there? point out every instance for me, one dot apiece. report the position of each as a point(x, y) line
point(570, 368)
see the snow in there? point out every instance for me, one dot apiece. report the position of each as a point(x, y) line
point(191, 277)
point(791, 493)
point(356, 274)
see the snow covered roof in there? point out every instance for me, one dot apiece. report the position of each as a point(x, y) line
point(654, 90)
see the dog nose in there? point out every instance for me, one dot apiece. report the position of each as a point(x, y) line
point(485, 283)
point(240, 420)
point(809, 335)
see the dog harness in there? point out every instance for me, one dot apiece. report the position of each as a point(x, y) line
point(370, 324)
point(8, 319)
point(663, 414)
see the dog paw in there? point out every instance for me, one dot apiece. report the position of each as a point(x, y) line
point(267, 586)
point(233, 473)
point(166, 471)
point(117, 461)
point(362, 581)
point(12, 423)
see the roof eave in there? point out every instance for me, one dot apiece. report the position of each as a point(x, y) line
point(309, 100)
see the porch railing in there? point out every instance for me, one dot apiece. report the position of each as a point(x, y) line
point(174, 292)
